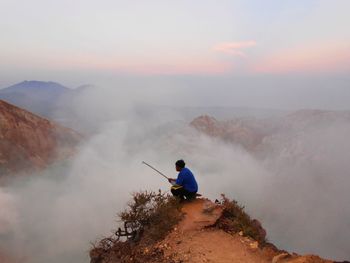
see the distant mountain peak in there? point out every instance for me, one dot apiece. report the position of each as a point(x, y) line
point(35, 84)
point(39, 97)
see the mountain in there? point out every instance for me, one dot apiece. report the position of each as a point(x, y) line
point(202, 231)
point(248, 133)
point(40, 88)
point(255, 134)
point(38, 97)
point(30, 142)
point(51, 100)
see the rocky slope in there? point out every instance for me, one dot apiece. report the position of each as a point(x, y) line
point(245, 132)
point(198, 237)
point(196, 240)
point(29, 142)
point(257, 134)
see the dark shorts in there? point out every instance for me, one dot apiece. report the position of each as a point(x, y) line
point(182, 193)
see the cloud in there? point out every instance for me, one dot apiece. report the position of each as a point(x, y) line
point(310, 58)
point(234, 48)
point(8, 216)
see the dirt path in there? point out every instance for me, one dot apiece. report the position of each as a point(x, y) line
point(199, 214)
point(193, 241)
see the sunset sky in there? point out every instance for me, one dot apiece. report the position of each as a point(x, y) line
point(41, 39)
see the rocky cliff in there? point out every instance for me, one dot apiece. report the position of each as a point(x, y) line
point(219, 232)
point(247, 133)
point(29, 142)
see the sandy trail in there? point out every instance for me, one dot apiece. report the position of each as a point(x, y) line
point(194, 241)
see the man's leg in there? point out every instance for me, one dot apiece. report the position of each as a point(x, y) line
point(190, 195)
point(178, 191)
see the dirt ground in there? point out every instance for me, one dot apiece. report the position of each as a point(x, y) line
point(193, 240)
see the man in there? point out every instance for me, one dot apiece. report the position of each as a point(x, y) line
point(185, 185)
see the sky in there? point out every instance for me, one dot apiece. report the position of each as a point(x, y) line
point(223, 42)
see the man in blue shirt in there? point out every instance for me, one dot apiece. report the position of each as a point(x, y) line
point(185, 185)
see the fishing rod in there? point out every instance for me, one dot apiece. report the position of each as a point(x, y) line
point(156, 170)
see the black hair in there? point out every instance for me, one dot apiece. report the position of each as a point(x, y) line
point(180, 163)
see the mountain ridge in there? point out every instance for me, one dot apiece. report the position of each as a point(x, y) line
point(34, 84)
point(205, 232)
point(31, 142)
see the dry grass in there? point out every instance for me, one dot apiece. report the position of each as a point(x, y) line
point(154, 213)
point(149, 217)
point(234, 220)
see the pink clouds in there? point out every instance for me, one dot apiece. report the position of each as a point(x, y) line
point(197, 67)
point(154, 65)
point(320, 57)
point(211, 68)
point(234, 48)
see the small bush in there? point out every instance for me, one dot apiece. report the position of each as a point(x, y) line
point(154, 213)
point(149, 217)
point(234, 220)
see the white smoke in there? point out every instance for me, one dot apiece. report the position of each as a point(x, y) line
point(297, 188)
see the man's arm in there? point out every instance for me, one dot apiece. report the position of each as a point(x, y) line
point(172, 181)
point(180, 179)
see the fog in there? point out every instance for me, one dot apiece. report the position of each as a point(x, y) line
point(285, 91)
point(296, 184)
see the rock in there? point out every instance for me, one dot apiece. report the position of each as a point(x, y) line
point(261, 230)
point(280, 257)
point(254, 245)
point(235, 131)
point(208, 207)
point(29, 142)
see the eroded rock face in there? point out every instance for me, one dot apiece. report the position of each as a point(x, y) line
point(235, 131)
point(29, 142)
point(273, 134)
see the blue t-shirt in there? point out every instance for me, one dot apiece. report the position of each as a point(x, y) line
point(187, 180)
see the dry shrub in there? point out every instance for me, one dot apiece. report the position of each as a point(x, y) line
point(150, 216)
point(234, 219)
point(153, 213)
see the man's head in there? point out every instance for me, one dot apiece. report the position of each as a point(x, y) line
point(179, 165)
